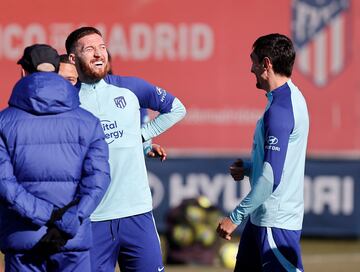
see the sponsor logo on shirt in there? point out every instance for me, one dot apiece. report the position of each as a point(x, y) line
point(271, 143)
point(111, 130)
point(120, 102)
point(161, 93)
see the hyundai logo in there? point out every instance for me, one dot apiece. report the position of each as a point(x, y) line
point(272, 140)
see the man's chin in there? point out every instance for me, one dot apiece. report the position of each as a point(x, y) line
point(94, 77)
point(91, 74)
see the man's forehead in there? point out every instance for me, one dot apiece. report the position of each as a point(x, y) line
point(67, 66)
point(254, 57)
point(91, 39)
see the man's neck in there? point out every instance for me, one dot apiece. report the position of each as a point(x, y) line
point(89, 81)
point(277, 81)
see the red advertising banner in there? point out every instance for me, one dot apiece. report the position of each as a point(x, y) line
point(199, 51)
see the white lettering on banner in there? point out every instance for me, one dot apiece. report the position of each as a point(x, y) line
point(58, 35)
point(10, 49)
point(140, 39)
point(202, 184)
point(179, 191)
point(163, 41)
point(332, 193)
point(137, 41)
point(157, 189)
point(14, 38)
point(216, 116)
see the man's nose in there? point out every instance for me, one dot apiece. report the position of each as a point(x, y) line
point(97, 51)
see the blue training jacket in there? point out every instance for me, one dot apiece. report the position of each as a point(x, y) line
point(277, 165)
point(51, 152)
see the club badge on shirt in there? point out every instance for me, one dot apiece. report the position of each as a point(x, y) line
point(120, 102)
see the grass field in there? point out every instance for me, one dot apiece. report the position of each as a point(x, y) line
point(318, 256)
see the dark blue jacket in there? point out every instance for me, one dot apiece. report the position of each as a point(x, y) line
point(51, 152)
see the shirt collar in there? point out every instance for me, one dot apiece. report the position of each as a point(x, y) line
point(277, 91)
point(93, 86)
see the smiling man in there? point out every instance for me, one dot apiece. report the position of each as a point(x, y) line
point(123, 225)
point(275, 203)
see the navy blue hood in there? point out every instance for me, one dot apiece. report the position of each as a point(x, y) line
point(44, 93)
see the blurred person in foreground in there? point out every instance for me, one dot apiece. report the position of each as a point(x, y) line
point(54, 170)
point(123, 224)
point(67, 69)
point(275, 203)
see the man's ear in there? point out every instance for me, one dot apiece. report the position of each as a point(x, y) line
point(23, 72)
point(72, 58)
point(267, 63)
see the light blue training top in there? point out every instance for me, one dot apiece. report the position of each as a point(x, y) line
point(276, 169)
point(116, 101)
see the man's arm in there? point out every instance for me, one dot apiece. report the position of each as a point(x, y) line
point(151, 150)
point(14, 195)
point(170, 108)
point(278, 124)
point(164, 121)
point(257, 195)
point(94, 183)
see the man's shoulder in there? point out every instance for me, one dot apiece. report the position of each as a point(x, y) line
point(129, 82)
point(10, 113)
point(84, 115)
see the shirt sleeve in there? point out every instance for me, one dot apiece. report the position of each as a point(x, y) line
point(14, 195)
point(164, 121)
point(278, 125)
point(170, 109)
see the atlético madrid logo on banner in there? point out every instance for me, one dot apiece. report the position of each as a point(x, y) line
point(320, 30)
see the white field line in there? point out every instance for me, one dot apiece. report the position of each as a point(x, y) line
point(331, 258)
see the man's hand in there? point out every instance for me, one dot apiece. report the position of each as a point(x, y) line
point(225, 228)
point(51, 242)
point(66, 219)
point(58, 213)
point(157, 152)
point(237, 170)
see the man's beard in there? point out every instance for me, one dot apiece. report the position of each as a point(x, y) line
point(90, 75)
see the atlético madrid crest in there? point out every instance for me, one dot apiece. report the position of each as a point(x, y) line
point(120, 102)
point(321, 34)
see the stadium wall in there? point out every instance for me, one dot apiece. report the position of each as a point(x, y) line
point(332, 191)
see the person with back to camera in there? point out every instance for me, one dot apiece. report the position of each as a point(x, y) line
point(54, 170)
point(275, 204)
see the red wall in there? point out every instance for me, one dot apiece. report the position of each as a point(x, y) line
point(199, 51)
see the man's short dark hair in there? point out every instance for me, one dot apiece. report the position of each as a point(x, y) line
point(279, 49)
point(64, 58)
point(77, 35)
point(36, 55)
